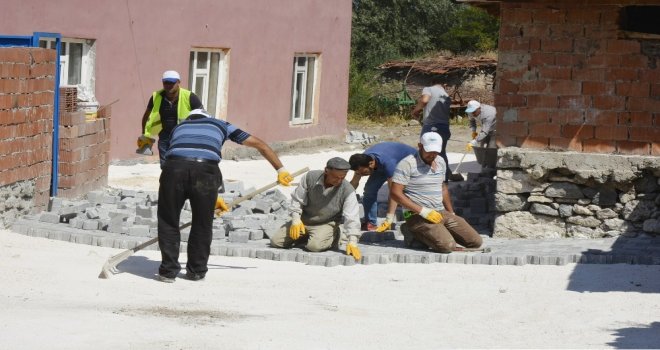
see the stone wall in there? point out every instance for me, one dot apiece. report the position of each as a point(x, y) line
point(543, 194)
point(27, 84)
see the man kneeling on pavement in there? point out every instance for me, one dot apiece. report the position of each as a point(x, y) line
point(322, 201)
point(418, 184)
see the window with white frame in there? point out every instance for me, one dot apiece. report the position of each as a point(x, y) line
point(303, 89)
point(77, 63)
point(208, 79)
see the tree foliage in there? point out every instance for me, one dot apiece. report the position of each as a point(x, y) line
point(391, 29)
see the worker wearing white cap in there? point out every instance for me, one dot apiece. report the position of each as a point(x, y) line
point(166, 108)
point(419, 186)
point(486, 115)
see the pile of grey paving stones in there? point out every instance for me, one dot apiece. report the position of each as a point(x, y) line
point(120, 218)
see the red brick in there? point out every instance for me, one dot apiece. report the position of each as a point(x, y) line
point(649, 133)
point(641, 118)
point(533, 86)
point(566, 116)
point(542, 101)
point(650, 75)
point(555, 72)
point(579, 132)
point(559, 45)
point(513, 44)
point(588, 46)
point(610, 15)
point(544, 130)
point(534, 45)
point(577, 101)
point(598, 117)
point(564, 87)
point(622, 74)
point(564, 144)
point(582, 16)
point(630, 147)
point(15, 55)
point(655, 90)
point(541, 59)
point(569, 59)
point(597, 88)
point(506, 87)
point(609, 102)
point(606, 61)
point(642, 104)
point(548, 15)
point(636, 89)
point(535, 31)
point(635, 61)
point(566, 30)
point(508, 100)
point(611, 132)
point(533, 142)
point(513, 129)
point(534, 115)
point(511, 30)
point(589, 74)
point(516, 16)
point(598, 146)
point(624, 47)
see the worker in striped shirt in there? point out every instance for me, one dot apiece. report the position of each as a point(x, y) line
point(191, 172)
point(418, 184)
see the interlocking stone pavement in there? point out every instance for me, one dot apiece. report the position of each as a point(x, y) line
point(388, 248)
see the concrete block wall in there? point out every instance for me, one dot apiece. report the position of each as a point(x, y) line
point(27, 85)
point(84, 154)
point(567, 81)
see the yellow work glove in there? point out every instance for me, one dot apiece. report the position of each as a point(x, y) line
point(431, 215)
point(389, 219)
point(470, 145)
point(284, 177)
point(297, 228)
point(144, 141)
point(220, 205)
point(352, 249)
point(474, 135)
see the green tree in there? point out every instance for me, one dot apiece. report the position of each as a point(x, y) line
point(474, 30)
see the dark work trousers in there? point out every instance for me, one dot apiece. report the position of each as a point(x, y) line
point(197, 182)
point(443, 130)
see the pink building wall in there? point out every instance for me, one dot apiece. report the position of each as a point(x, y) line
point(137, 40)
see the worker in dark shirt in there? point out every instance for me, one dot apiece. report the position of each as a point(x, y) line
point(191, 172)
point(166, 108)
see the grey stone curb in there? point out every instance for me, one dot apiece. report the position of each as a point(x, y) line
point(517, 252)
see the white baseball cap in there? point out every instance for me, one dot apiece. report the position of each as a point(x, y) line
point(199, 111)
point(431, 141)
point(472, 106)
point(171, 76)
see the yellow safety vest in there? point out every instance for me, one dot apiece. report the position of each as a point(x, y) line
point(154, 125)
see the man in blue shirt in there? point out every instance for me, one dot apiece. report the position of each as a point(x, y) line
point(191, 171)
point(378, 162)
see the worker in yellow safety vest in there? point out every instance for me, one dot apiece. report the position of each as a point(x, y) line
point(166, 108)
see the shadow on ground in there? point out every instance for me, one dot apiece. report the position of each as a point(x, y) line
point(642, 337)
point(146, 268)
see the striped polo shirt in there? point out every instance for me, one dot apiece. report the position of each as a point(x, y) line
point(422, 184)
point(203, 138)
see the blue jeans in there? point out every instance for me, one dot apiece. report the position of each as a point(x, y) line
point(443, 130)
point(163, 146)
point(370, 196)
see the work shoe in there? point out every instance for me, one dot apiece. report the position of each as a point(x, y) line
point(165, 279)
point(194, 276)
point(367, 226)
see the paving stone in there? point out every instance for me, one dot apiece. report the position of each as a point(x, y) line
point(145, 211)
point(256, 235)
point(139, 230)
point(90, 225)
point(49, 217)
point(264, 254)
point(317, 260)
point(238, 236)
point(331, 261)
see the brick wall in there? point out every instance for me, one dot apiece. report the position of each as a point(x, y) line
point(26, 115)
point(84, 153)
point(565, 81)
